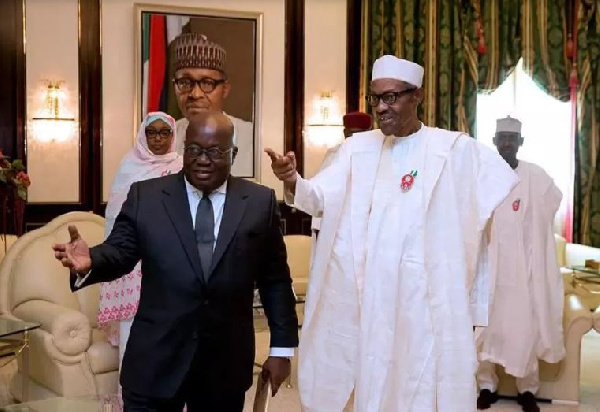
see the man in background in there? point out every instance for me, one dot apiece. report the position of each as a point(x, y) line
point(354, 122)
point(201, 85)
point(527, 301)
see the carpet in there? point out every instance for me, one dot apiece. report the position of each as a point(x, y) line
point(287, 399)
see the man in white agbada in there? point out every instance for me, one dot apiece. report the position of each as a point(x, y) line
point(392, 300)
point(201, 85)
point(527, 308)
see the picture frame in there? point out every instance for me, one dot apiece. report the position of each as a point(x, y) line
point(240, 33)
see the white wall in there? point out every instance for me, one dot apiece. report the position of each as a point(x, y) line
point(325, 67)
point(119, 76)
point(51, 32)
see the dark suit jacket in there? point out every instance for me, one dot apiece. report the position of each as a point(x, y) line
point(178, 312)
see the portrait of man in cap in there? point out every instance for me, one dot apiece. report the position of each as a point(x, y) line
point(198, 63)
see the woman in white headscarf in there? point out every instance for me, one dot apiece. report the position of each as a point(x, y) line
point(152, 156)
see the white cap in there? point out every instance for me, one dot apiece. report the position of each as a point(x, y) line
point(508, 124)
point(391, 67)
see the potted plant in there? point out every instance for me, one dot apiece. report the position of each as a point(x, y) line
point(14, 182)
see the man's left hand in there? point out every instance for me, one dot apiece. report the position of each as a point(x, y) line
point(276, 369)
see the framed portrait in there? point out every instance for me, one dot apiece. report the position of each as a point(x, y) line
point(239, 34)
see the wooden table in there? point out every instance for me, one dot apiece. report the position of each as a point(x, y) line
point(587, 281)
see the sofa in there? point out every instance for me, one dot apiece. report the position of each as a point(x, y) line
point(6, 241)
point(571, 254)
point(299, 250)
point(69, 355)
point(560, 382)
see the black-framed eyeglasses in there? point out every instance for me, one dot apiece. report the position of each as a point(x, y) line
point(387, 97)
point(213, 153)
point(158, 134)
point(206, 84)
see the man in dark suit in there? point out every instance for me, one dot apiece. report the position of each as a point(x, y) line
point(204, 238)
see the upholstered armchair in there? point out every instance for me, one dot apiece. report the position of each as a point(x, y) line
point(69, 355)
point(299, 249)
point(596, 318)
point(6, 241)
point(560, 382)
point(573, 254)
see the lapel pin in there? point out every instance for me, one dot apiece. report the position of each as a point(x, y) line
point(408, 180)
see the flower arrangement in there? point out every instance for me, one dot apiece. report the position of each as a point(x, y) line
point(14, 182)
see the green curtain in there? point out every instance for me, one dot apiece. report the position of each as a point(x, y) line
point(456, 75)
point(501, 20)
point(391, 27)
point(544, 27)
point(440, 36)
point(586, 213)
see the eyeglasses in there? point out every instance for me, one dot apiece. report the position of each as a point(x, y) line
point(206, 84)
point(388, 97)
point(213, 153)
point(158, 134)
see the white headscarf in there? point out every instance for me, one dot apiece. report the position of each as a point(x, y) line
point(141, 164)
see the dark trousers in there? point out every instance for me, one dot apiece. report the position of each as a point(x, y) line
point(200, 392)
point(197, 400)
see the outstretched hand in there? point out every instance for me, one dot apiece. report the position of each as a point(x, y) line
point(74, 255)
point(284, 166)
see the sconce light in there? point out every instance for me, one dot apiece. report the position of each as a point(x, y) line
point(325, 127)
point(52, 125)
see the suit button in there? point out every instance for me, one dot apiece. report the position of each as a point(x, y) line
point(204, 302)
point(195, 335)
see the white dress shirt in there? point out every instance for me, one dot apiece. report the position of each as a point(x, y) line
point(217, 199)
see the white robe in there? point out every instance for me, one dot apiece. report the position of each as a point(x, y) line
point(243, 138)
point(393, 294)
point(527, 307)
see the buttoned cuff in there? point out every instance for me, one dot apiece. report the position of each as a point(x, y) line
point(282, 352)
point(81, 279)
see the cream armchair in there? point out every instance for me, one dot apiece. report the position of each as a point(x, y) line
point(4, 246)
point(69, 356)
point(299, 249)
point(559, 382)
point(572, 254)
point(596, 318)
